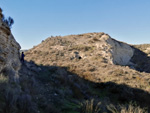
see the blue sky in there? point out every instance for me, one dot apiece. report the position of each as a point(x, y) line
point(36, 20)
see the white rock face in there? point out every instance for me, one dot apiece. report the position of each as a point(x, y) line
point(116, 52)
point(9, 53)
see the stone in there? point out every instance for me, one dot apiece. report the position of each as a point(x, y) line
point(116, 52)
point(9, 53)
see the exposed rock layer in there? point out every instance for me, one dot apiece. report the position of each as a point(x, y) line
point(121, 52)
point(9, 53)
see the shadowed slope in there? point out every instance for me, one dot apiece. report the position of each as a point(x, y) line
point(141, 58)
point(58, 88)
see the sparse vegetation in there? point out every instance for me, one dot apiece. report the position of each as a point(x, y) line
point(129, 108)
point(90, 106)
point(7, 21)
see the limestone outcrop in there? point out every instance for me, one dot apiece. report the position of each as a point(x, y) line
point(9, 52)
point(116, 52)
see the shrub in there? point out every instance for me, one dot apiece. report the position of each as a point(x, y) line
point(8, 21)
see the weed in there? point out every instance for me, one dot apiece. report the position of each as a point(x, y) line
point(132, 107)
point(89, 106)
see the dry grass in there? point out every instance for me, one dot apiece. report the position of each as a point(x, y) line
point(130, 108)
point(89, 106)
point(142, 47)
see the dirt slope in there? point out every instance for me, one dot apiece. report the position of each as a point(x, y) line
point(91, 57)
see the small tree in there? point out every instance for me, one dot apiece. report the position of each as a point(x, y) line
point(9, 21)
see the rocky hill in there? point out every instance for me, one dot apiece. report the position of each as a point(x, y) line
point(97, 61)
point(93, 56)
point(86, 46)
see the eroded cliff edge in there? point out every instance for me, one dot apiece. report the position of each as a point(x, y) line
point(9, 52)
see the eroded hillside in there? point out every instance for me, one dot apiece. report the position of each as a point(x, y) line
point(95, 70)
point(93, 56)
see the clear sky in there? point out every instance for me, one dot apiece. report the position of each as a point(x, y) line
point(36, 20)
